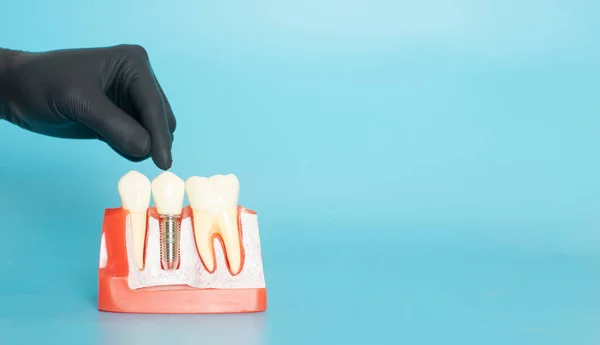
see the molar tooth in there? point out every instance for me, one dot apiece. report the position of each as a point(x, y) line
point(214, 204)
point(134, 190)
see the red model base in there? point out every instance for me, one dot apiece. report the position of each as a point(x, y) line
point(114, 295)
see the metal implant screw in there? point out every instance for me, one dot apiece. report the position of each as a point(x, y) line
point(170, 232)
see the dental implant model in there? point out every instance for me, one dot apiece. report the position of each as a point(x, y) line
point(204, 258)
point(168, 191)
point(134, 190)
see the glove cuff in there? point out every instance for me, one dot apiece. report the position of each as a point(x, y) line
point(3, 66)
point(6, 58)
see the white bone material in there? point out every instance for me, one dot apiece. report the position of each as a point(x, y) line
point(103, 253)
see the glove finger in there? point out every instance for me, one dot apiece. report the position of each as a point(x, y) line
point(170, 116)
point(118, 129)
point(149, 103)
point(129, 158)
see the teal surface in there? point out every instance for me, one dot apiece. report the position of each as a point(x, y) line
point(425, 172)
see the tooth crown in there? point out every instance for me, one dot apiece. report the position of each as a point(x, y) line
point(215, 194)
point(168, 190)
point(134, 190)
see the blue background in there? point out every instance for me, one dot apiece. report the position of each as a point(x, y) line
point(424, 171)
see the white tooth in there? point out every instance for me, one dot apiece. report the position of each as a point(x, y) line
point(134, 189)
point(214, 205)
point(168, 191)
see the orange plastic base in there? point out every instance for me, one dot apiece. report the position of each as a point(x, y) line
point(114, 295)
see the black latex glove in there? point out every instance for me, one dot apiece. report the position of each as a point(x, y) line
point(107, 93)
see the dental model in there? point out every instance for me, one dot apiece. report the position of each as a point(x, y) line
point(171, 258)
point(168, 191)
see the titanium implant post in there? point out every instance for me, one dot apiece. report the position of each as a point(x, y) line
point(170, 236)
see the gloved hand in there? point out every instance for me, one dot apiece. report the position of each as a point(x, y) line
point(107, 93)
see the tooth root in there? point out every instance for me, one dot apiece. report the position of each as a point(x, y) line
point(225, 224)
point(138, 229)
point(203, 225)
point(228, 229)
